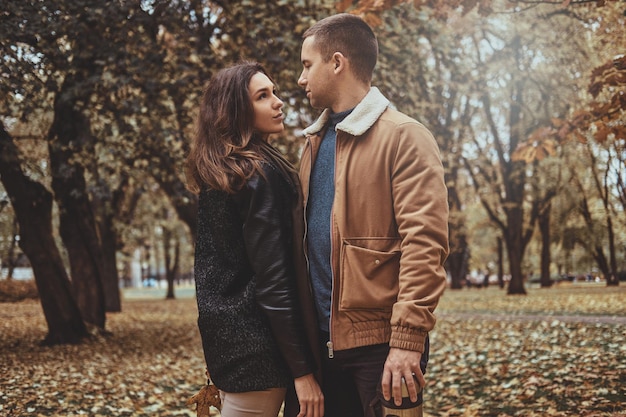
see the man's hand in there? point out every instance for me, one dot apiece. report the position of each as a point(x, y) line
point(400, 364)
point(310, 396)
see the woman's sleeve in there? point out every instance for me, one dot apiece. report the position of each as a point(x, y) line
point(266, 212)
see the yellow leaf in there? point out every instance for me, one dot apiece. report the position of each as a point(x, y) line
point(208, 396)
point(525, 153)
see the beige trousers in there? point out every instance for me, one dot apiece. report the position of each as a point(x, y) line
point(253, 403)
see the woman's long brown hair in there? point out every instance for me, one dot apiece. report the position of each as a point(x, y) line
point(225, 150)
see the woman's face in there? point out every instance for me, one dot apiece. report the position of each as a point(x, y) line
point(268, 115)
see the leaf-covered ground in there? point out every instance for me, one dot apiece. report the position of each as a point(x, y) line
point(555, 352)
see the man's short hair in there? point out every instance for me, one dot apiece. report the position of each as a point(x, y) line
point(350, 35)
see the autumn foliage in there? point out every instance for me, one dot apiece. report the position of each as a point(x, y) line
point(207, 397)
point(603, 119)
point(555, 352)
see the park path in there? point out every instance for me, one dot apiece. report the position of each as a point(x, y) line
point(536, 317)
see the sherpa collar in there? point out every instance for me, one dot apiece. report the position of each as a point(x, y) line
point(362, 117)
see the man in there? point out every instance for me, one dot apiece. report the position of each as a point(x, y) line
point(377, 212)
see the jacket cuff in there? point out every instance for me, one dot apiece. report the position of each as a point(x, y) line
point(407, 338)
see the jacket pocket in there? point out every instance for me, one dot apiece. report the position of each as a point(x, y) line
point(369, 276)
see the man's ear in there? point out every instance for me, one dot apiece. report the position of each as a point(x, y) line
point(340, 62)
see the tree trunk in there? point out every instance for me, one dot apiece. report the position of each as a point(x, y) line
point(511, 185)
point(516, 285)
point(11, 254)
point(597, 252)
point(107, 205)
point(171, 265)
point(457, 262)
point(500, 263)
point(544, 229)
point(611, 278)
point(595, 248)
point(32, 204)
point(602, 187)
point(184, 201)
point(120, 207)
point(514, 177)
point(111, 281)
point(513, 234)
point(70, 130)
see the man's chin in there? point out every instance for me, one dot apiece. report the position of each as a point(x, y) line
point(315, 104)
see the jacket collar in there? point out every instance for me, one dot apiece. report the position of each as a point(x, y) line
point(360, 120)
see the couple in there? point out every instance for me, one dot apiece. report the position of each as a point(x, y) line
point(319, 287)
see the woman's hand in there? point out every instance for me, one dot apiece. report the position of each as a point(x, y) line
point(310, 396)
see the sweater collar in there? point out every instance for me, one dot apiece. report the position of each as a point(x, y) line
point(360, 120)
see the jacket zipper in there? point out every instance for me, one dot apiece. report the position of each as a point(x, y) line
point(329, 345)
point(304, 209)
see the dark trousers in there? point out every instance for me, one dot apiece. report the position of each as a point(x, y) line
point(351, 378)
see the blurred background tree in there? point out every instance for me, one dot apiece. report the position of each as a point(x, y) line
point(97, 105)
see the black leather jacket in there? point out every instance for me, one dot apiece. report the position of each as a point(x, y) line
point(249, 320)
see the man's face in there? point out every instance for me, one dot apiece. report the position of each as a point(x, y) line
point(317, 76)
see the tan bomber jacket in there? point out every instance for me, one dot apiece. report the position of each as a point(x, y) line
point(389, 226)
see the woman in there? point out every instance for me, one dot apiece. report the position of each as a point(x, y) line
point(249, 222)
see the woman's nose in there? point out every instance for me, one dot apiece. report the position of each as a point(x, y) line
point(278, 103)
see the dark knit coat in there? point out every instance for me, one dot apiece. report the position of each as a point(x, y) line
point(249, 316)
